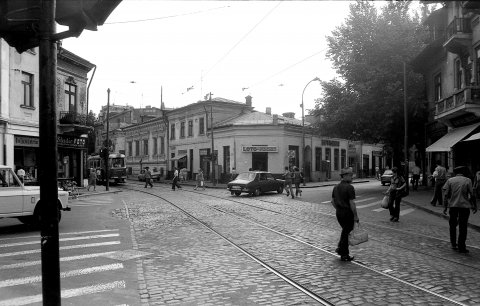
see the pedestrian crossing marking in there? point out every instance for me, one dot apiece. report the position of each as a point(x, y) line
point(61, 239)
point(72, 273)
point(406, 211)
point(62, 234)
point(324, 202)
point(379, 209)
point(126, 255)
point(363, 200)
point(70, 247)
point(65, 294)
point(369, 205)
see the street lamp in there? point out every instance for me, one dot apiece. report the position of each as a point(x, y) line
point(303, 127)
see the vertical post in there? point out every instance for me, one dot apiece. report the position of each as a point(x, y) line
point(107, 172)
point(47, 167)
point(214, 159)
point(405, 115)
point(303, 138)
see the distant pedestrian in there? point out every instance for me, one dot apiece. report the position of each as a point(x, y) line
point(415, 176)
point(288, 176)
point(175, 179)
point(297, 179)
point(148, 177)
point(233, 174)
point(92, 179)
point(440, 176)
point(458, 197)
point(397, 186)
point(21, 174)
point(200, 181)
point(377, 172)
point(343, 196)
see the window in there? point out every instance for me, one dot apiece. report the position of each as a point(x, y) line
point(226, 159)
point(137, 148)
point(182, 129)
point(27, 88)
point(155, 146)
point(336, 158)
point(130, 152)
point(437, 81)
point(201, 126)
point(343, 158)
point(458, 74)
point(145, 147)
point(318, 158)
point(190, 128)
point(71, 96)
point(162, 145)
point(172, 131)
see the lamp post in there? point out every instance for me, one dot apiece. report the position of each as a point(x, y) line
point(303, 127)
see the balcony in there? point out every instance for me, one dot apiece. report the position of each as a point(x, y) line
point(463, 101)
point(458, 36)
point(471, 6)
point(73, 122)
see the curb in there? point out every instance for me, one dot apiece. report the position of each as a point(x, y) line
point(83, 195)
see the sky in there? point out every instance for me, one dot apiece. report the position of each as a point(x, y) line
point(269, 50)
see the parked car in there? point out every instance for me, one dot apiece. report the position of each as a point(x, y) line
point(155, 175)
point(19, 201)
point(255, 183)
point(386, 177)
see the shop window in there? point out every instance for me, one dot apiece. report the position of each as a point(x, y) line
point(172, 131)
point(201, 126)
point(182, 129)
point(318, 158)
point(343, 158)
point(190, 128)
point(71, 96)
point(27, 88)
point(336, 159)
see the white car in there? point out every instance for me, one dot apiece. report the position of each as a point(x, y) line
point(19, 201)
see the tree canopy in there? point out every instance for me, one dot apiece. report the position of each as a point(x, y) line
point(368, 51)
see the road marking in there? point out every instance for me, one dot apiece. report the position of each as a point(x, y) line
point(62, 259)
point(70, 247)
point(61, 239)
point(324, 202)
point(406, 211)
point(62, 234)
point(363, 200)
point(370, 204)
point(379, 209)
point(65, 294)
point(72, 273)
point(79, 205)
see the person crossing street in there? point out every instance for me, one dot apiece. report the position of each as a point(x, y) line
point(148, 178)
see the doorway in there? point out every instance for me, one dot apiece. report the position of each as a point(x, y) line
point(260, 161)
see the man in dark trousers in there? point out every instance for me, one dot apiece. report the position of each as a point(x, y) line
point(343, 197)
point(148, 178)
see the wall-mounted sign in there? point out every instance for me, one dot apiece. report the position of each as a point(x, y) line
point(250, 149)
point(66, 141)
point(330, 143)
point(377, 153)
point(27, 141)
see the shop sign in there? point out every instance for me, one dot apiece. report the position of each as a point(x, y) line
point(27, 141)
point(71, 142)
point(377, 153)
point(330, 143)
point(250, 149)
point(203, 151)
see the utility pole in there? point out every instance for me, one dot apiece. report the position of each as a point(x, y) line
point(107, 172)
point(50, 253)
point(405, 115)
point(214, 158)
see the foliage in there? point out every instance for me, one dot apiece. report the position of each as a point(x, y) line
point(369, 51)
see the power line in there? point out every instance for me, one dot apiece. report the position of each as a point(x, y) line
point(167, 17)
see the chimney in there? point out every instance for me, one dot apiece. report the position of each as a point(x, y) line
point(268, 111)
point(275, 119)
point(248, 100)
point(289, 115)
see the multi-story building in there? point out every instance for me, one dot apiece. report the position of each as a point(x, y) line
point(450, 63)
point(19, 111)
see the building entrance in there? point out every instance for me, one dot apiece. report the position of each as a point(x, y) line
point(260, 161)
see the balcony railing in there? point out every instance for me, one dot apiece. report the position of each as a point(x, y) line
point(75, 118)
point(465, 95)
point(458, 26)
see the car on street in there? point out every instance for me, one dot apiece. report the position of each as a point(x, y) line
point(20, 201)
point(155, 175)
point(255, 183)
point(386, 177)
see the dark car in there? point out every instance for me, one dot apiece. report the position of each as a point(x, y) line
point(155, 176)
point(255, 183)
point(386, 177)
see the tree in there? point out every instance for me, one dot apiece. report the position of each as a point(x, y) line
point(368, 52)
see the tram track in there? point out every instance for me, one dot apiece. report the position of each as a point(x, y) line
point(315, 296)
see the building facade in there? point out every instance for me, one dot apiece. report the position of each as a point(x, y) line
point(19, 111)
point(450, 63)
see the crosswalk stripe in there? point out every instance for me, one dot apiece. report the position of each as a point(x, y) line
point(363, 200)
point(369, 205)
point(324, 202)
point(70, 247)
point(62, 234)
point(61, 239)
point(72, 273)
point(406, 211)
point(379, 209)
point(65, 293)
point(62, 259)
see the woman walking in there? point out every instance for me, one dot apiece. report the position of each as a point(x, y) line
point(200, 180)
point(397, 186)
point(288, 182)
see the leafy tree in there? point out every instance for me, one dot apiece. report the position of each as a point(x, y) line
point(368, 51)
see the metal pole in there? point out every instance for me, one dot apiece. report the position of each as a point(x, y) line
point(303, 129)
point(405, 115)
point(47, 166)
point(107, 174)
point(214, 159)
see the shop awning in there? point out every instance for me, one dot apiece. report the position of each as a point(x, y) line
point(473, 137)
point(179, 157)
point(445, 143)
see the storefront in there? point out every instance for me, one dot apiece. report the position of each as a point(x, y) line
point(25, 155)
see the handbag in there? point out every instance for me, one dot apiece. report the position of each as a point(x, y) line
point(358, 235)
point(385, 201)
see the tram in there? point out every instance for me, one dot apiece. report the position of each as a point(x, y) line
point(117, 170)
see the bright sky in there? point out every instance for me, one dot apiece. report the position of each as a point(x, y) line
point(267, 49)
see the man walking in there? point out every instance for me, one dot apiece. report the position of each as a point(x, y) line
point(148, 178)
point(458, 194)
point(343, 197)
point(440, 175)
point(415, 176)
point(175, 180)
